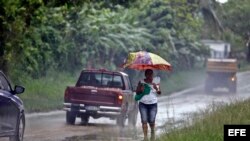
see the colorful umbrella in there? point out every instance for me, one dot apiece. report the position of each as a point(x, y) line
point(143, 60)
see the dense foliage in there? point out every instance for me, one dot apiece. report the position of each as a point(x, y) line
point(41, 35)
point(236, 21)
point(235, 16)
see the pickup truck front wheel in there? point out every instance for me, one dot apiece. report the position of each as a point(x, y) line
point(120, 121)
point(70, 118)
point(132, 116)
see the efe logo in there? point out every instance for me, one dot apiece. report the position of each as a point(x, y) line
point(236, 132)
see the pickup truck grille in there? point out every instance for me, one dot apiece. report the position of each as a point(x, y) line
point(98, 99)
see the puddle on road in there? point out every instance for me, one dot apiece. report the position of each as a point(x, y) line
point(84, 138)
point(116, 134)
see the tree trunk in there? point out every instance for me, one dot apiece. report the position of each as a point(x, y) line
point(248, 51)
point(3, 61)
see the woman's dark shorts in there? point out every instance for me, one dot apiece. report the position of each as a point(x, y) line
point(148, 112)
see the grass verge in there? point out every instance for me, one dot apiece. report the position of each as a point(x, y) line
point(45, 94)
point(208, 124)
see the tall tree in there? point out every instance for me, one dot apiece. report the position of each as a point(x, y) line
point(213, 27)
point(235, 16)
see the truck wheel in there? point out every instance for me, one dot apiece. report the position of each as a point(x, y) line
point(208, 88)
point(132, 116)
point(120, 121)
point(85, 119)
point(70, 118)
point(132, 119)
point(232, 88)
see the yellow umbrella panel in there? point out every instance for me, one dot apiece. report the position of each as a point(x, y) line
point(143, 60)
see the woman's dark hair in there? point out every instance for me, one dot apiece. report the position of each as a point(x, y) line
point(148, 71)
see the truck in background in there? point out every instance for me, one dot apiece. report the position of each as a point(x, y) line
point(221, 67)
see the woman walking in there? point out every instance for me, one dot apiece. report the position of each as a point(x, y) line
point(148, 104)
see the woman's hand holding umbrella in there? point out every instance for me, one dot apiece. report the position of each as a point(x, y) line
point(140, 87)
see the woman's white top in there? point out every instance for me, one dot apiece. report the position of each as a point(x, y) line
point(150, 98)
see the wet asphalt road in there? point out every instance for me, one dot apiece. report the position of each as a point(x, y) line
point(174, 108)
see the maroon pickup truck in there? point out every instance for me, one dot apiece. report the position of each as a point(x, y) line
point(101, 93)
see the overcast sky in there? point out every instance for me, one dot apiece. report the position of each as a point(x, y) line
point(222, 1)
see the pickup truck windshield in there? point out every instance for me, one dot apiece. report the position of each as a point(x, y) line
point(100, 79)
